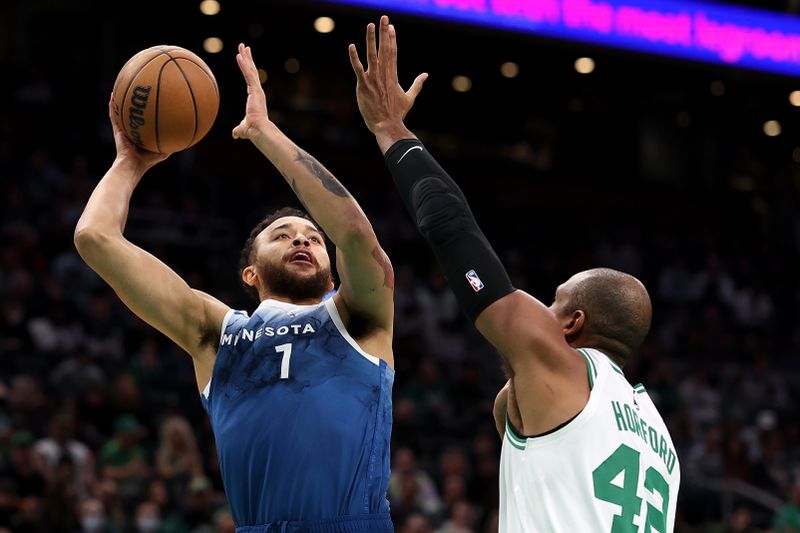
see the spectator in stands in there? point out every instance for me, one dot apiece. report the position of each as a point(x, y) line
point(122, 459)
point(171, 519)
point(177, 458)
point(461, 519)
point(223, 522)
point(61, 445)
point(787, 519)
point(417, 523)
point(411, 490)
point(26, 468)
point(93, 518)
point(148, 518)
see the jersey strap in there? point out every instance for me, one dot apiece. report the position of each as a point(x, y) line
point(591, 367)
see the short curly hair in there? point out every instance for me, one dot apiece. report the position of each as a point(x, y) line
point(246, 256)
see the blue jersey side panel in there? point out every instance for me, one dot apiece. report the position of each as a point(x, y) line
point(311, 443)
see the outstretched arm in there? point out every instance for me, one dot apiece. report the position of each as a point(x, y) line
point(153, 291)
point(522, 329)
point(367, 282)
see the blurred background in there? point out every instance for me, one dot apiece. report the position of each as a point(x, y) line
point(684, 174)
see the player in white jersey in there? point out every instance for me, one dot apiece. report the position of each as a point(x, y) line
point(611, 468)
point(583, 451)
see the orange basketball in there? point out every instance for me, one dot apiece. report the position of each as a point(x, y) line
point(167, 99)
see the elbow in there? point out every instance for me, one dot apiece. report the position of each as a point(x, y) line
point(88, 239)
point(84, 237)
point(358, 234)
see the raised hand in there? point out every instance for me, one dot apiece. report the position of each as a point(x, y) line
point(256, 109)
point(381, 100)
point(127, 152)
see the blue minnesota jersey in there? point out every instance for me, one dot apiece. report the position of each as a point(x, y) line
point(302, 416)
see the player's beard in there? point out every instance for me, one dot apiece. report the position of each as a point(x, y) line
point(279, 280)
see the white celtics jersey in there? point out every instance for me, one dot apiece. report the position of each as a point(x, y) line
point(612, 469)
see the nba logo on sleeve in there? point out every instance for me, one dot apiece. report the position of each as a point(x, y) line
point(474, 280)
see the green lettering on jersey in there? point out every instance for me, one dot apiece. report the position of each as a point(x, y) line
point(653, 439)
point(628, 420)
point(633, 427)
point(671, 459)
point(644, 429)
point(618, 415)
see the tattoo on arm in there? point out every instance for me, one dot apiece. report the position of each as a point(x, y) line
point(386, 266)
point(293, 185)
point(322, 174)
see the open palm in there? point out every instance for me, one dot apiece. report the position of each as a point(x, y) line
point(256, 109)
point(380, 97)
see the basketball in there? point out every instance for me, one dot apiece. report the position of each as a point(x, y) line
point(167, 99)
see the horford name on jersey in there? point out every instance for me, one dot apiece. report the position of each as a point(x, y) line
point(267, 331)
point(628, 420)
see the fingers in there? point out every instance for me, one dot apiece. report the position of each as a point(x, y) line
point(372, 50)
point(416, 87)
point(247, 66)
point(113, 114)
point(358, 68)
point(391, 65)
point(383, 51)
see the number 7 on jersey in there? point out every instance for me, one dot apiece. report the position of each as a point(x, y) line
point(286, 350)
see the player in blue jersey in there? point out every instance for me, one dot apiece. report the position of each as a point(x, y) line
point(301, 409)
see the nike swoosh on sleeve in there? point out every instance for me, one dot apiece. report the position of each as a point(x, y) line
point(407, 151)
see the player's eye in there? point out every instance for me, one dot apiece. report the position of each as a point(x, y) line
point(314, 239)
point(283, 236)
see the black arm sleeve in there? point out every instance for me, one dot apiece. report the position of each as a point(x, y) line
point(444, 218)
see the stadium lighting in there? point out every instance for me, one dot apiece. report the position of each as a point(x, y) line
point(213, 45)
point(509, 69)
point(717, 88)
point(772, 128)
point(209, 7)
point(584, 65)
point(462, 84)
point(324, 24)
point(262, 75)
point(794, 98)
point(292, 65)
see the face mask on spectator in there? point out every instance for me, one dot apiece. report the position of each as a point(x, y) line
point(148, 524)
point(93, 523)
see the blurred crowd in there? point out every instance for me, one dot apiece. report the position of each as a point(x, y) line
point(101, 427)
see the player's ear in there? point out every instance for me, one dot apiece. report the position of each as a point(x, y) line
point(250, 276)
point(574, 324)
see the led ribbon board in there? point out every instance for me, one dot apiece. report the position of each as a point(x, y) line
point(728, 35)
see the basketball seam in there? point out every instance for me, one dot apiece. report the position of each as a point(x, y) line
point(133, 78)
point(191, 93)
point(158, 96)
point(203, 69)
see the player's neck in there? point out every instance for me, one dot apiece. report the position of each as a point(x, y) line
point(293, 301)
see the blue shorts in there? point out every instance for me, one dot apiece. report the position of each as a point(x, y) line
point(374, 523)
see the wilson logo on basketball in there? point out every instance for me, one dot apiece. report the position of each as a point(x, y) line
point(136, 111)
